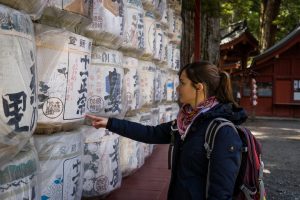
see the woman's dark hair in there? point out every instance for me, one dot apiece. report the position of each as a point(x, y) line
point(217, 83)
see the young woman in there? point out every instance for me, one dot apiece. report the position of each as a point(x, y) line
point(205, 93)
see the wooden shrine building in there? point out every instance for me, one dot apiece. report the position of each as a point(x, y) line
point(237, 45)
point(277, 79)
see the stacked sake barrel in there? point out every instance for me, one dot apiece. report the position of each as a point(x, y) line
point(61, 161)
point(134, 39)
point(149, 33)
point(105, 87)
point(18, 104)
point(131, 152)
point(131, 85)
point(63, 60)
point(174, 33)
point(107, 97)
point(102, 171)
point(19, 175)
point(106, 58)
point(175, 110)
point(129, 160)
point(73, 15)
point(168, 112)
point(146, 119)
point(155, 116)
point(107, 27)
point(159, 42)
point(34, 8)
point(158, 86)
point(155, 6)
point(164, 81)
point(147, 71)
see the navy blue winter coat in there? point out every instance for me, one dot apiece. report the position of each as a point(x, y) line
point(189, 161)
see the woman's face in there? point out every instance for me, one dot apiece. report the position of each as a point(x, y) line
point(185, 90)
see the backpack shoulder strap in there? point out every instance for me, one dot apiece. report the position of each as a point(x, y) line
point(171, 146)
point(214, 126)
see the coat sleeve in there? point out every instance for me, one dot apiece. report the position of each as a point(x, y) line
point(159, 134)
point(224, 164)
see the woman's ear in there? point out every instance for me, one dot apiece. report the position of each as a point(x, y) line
point(199, 86)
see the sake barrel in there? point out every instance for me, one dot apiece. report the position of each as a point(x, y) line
point(73, 15)
point(108, 23)
point(18, 176)
point(146, 119)
point(176, 84)
point(158, 87)
point(170, 86)
point(140, 147)
point(176, 57)
point(170, 55)
point(149, 33)
point(164, 80)
point(172, 22)
point(155, 116)
point(62, 61)
point(128, 152)
point(178, 6)
point(61, 163)
point(178, 30)
point(155, 6)
point(147, 72)
point(18, 106)
point(32, 7)
point(165, 19)
point(175, 110)
point(134, 39)
point(160, 6)
point(148, 5)
point(131, 84)
point(165, 52)
point(159, 37)
point(162, 113)
point(102, 173)
point(151, 148)
point(168, 112)
point(128, 156)
point(140, 154)
point(105, 87)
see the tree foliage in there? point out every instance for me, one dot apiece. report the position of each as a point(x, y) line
point(288, 18)
point(232, 11)
point(237, 10)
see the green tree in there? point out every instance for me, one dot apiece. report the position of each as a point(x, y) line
point(240, 10)
point(216, 15)
point(287, 16)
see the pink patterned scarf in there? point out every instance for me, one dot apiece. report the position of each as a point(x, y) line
point(187, 114)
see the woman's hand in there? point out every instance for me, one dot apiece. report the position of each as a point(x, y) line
point(97, 122)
